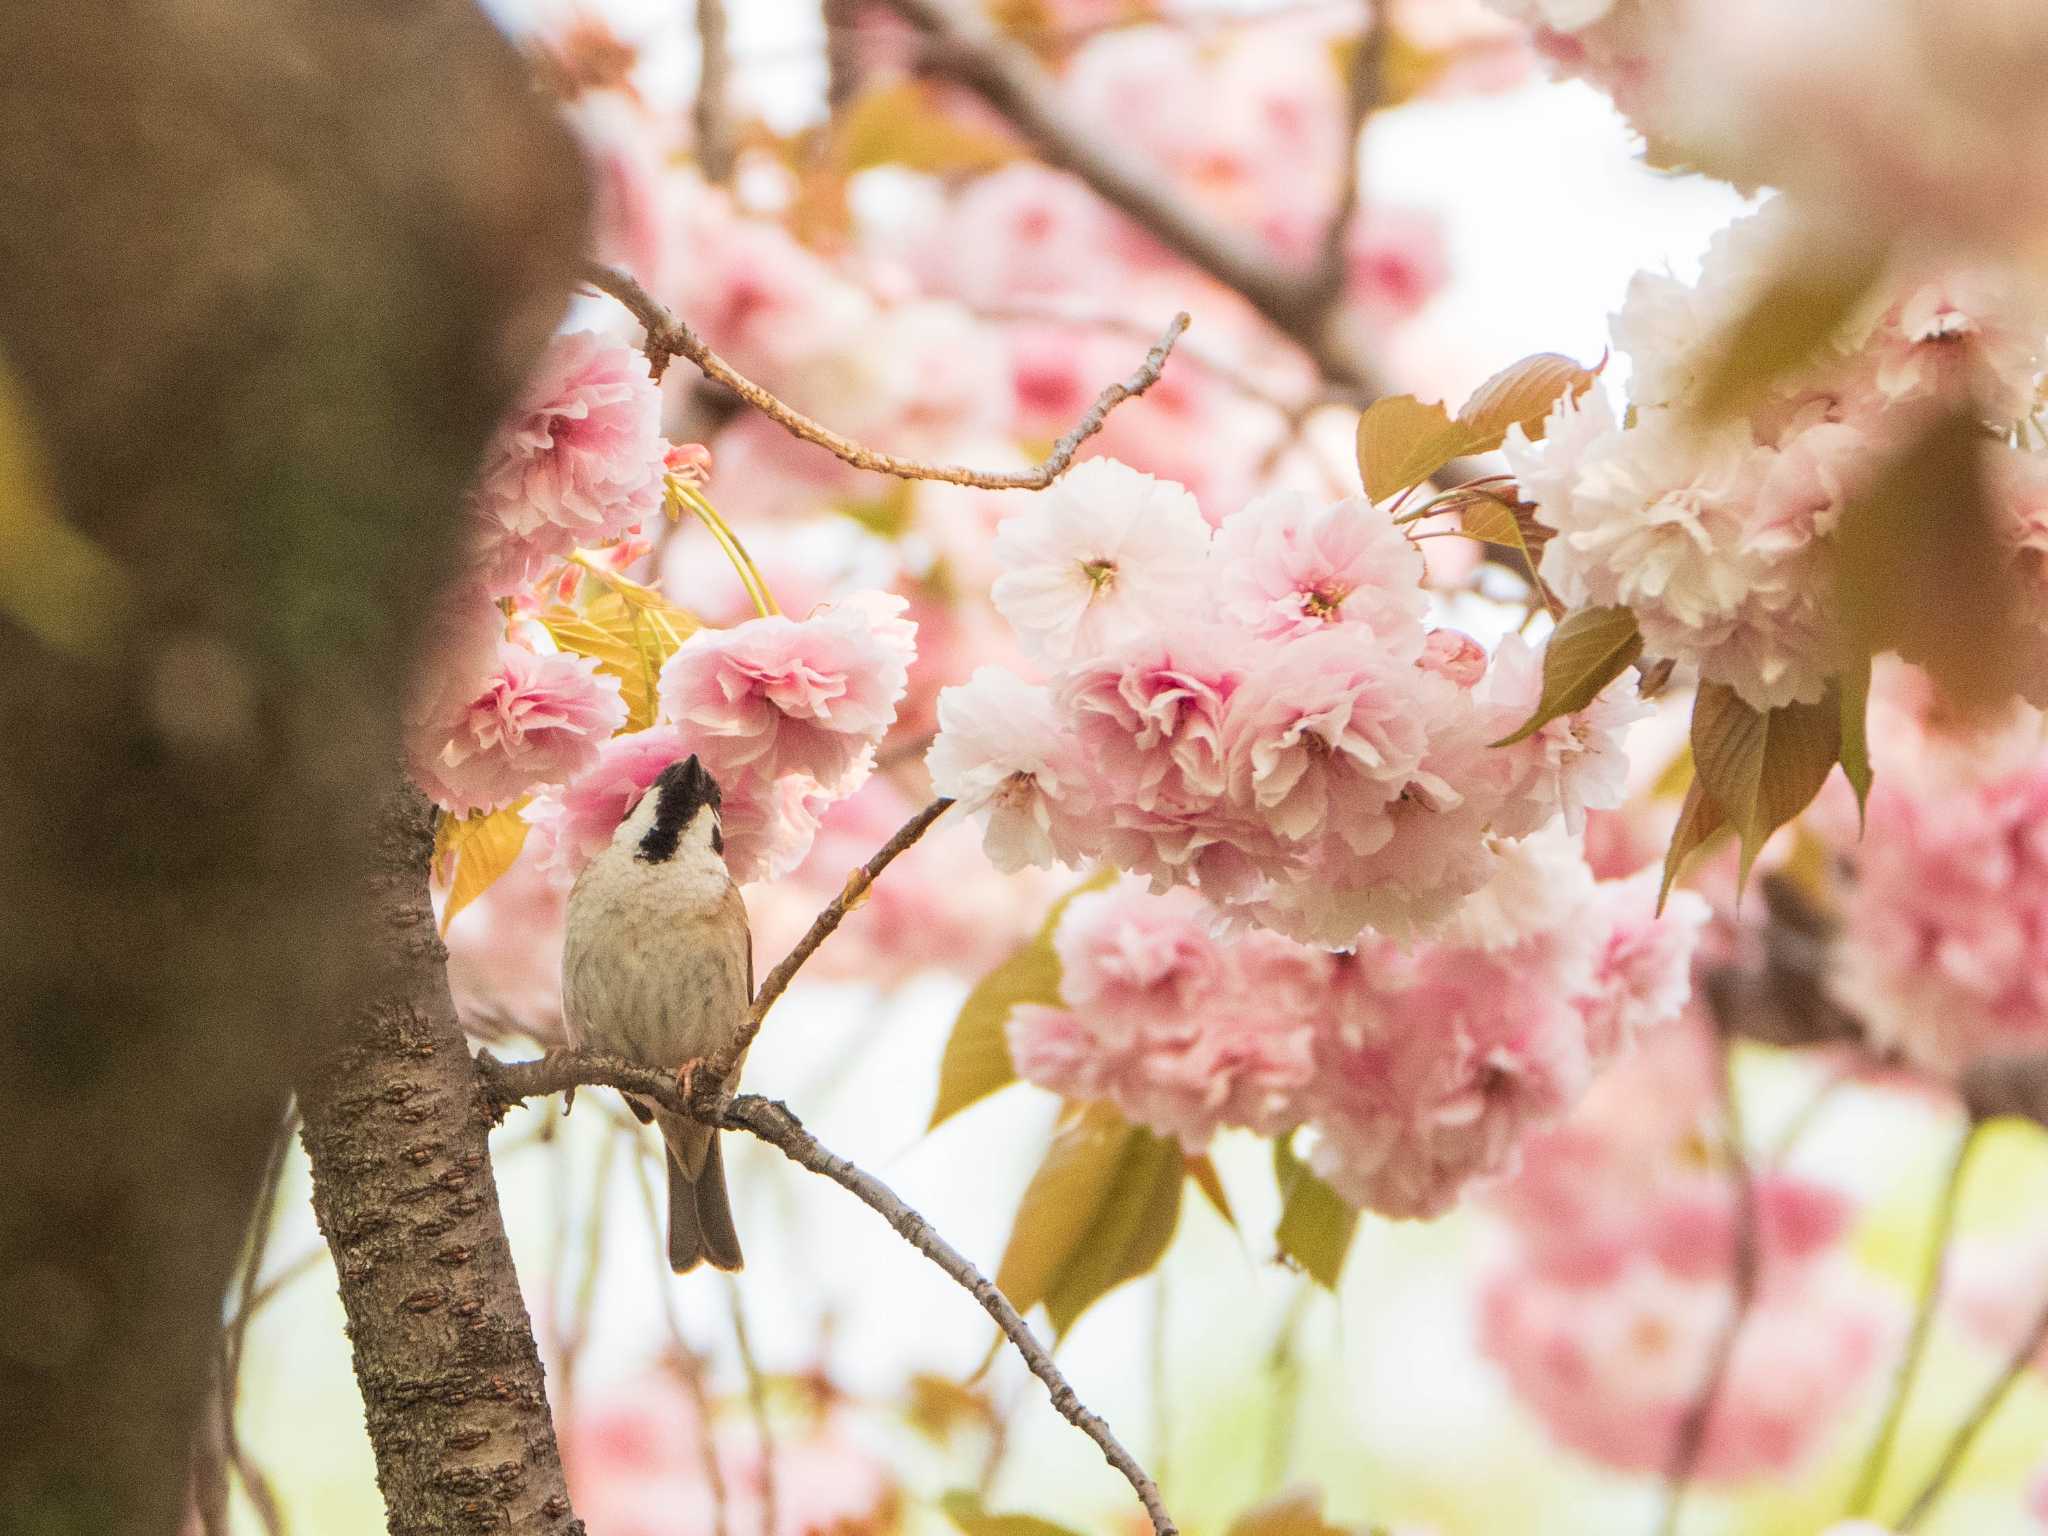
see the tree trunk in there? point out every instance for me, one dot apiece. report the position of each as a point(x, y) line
point(397, 1129)
point(269, 271)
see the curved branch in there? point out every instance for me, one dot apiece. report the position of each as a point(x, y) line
point(669, 336)
point(509, 1083)
point(708, 1083)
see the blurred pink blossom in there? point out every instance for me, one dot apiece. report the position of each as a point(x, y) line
point(530, 720)
point(578, 461)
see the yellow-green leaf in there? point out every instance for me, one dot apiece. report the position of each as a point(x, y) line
point(1498, 521)
point(1789, 324)
point(977, 1057)
point(1855, 689)
point(629, 633)
point(1698, 820)
point(482, 848)
point(938, 1405)
point(1402, 442)
point(1316, 1226)
point(903, 123)
point(1203, 1172)
point(1521, 394)
point(1100, 1210)
point(1587, 651)
point(1762, 767)
point(54, 581)
point(964, 1508)
point(1921, 570)
point(1298, 1512)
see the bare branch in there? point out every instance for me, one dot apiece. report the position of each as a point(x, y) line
point(506, 1084)
point(1871, 1478)
point(708, 1083)
point(668, 336)
point(1691, 1438)
point(711, 110)
point(757, 1401)
point(1362, 95)
point(1973, 1424)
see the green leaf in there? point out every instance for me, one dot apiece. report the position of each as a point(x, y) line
point(1855, 689)
point(1298, 1512)
point(1203, 1172)
point(482, 848)
point(629, 634)
point(1497, 520)
point(1100, 1210)
point(1698, 820)
point(904, 123)
point(1922, 571)
point(1587, 651)
point(964, 1508)
point(1762, 767)
point(977, 1057)
point(1402, 442)
point(1316, 1226)
point(1522, 394)
point(1789, 324)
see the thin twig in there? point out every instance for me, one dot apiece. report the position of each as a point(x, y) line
point(511, 1083)
point(269, 1290)
point(1864, 1496)
point(709, 1081)
point(1362, 95)
point(712, 107)
point(689, 1364)
point(669, 336)
point(234, 1337)
point(757, 1401)
point(1743, 1274)
point(1973, 1424)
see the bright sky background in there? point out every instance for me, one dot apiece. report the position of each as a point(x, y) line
point(1547, 215)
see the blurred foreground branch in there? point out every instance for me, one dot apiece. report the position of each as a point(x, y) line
point(668, 336)
point(506, 1084)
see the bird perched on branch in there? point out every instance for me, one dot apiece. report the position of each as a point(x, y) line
point(658, 967)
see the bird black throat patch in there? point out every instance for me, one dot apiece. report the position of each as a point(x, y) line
point(683, 790)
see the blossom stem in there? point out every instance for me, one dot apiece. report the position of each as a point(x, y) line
point(1966, 1433)
point(1868, 1481)
point(743, 563)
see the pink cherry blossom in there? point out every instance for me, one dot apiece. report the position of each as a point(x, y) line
point(1092, 561)
point(1642, 975)
point(530, 720)
point(1568, 766)
point(776, 696)
point(1286, 566)
point(1182, 1030)
point(505, 956)
point(1943, 951)
point(1004, 755)
point(578, 461)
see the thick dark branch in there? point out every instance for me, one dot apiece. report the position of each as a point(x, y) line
point(511, 1083)
point(1362, 95)
point(668, 336)
point(712, 107)
point(397, 1128)
point(965, 48)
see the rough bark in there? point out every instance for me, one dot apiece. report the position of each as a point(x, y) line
point(269, 269)
point(396, 1126)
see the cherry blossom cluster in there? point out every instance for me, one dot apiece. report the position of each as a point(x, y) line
point(1418, 1069)
point(1259, 711)
point(1718, 534)
point(785, 712)
point(1609, 1309)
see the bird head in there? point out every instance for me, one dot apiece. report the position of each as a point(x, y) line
point(679, 810)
